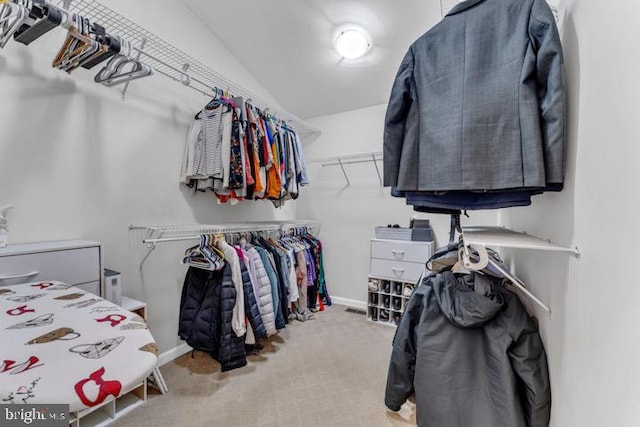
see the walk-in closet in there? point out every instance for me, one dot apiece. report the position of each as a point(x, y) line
point(318, 213)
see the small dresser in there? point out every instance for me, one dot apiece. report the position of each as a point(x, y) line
point(396, 266)
point(76, 262)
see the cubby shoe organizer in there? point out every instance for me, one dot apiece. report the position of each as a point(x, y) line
point(387, 300)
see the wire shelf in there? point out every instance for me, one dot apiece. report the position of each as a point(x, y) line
point(154, 234)
point(351, 159)
point(175, 64)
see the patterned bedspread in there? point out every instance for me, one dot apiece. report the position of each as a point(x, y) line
point(60, 344)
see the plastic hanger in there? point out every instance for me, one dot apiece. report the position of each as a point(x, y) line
point(118, 66)
point(112, 45)
point(49, 18)
point(214, 103)
point(93, 48)
point(205, 255)
point(12, 16)
point(140, 70)
point(76, 44)
point(485, 260)
point(121, 68)
point(98, 49)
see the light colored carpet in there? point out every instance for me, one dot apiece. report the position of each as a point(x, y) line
point(330, 371)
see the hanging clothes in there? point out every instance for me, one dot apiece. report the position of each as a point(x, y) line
point(232, 259)
point(462, 117)
point(235, 295)
point(251, 307)
point(281, 270)
point(269, 265)
point(265, 299)
point(188, 159)
point(468, 332)
point(206, 316)
point(241, 153)
point(208, 151)
point(237, 178)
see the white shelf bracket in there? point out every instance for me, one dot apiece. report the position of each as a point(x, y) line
point(155, 233)
point(140, 49)
point(375, 163)
point(352, 159)
point(344, 172)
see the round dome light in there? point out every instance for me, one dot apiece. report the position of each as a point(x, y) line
point(352, 44)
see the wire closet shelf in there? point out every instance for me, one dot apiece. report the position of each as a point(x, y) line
point(154, 234)
point(171, 62)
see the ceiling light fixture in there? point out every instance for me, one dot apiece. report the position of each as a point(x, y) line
point(352, 44)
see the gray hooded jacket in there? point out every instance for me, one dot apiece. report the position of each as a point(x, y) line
point(471, 354)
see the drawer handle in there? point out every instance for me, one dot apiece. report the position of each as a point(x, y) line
point(398, 253)
point(398, 271)
point(16, 279)
point(20, 276)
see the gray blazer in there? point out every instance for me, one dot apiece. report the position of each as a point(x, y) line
point(479, 102)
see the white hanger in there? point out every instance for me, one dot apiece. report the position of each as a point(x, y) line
point(12, 16)
point(485, 260)
point(3, 213)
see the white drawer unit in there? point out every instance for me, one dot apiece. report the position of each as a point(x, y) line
point(399, 259)
point(396, 270)
point(399, 250)
point(76, 262)
point(396, 266)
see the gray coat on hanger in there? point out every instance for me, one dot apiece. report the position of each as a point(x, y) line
point(479, 102)
point(471, 354)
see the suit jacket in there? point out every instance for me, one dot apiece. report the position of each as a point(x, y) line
point(479, 102)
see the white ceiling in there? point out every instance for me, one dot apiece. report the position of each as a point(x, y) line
point(288, 46)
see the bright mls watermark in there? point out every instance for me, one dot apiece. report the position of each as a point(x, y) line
point(34, 415)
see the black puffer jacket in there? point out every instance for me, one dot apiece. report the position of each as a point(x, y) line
point(251, 309)
point(206, 310)
point(471, 354)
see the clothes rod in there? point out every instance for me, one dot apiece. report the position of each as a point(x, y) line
point(195, 237)
point(352, 162)
point(173, 239)
point(156, 234)
point(351, 159)
point(348, 157)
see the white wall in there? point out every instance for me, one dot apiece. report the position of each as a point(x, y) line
point(592, 339)
point(78, 162)
point(349, 214)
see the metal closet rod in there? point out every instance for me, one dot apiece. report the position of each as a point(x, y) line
point(351, 159)
point(156, 233)
point(197, 236)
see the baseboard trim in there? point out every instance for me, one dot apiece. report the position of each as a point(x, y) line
point(351, 303)
point(173, 354)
